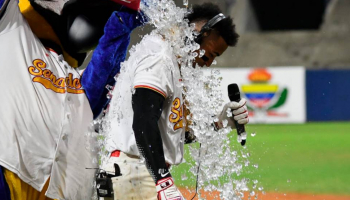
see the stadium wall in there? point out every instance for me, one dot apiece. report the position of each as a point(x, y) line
point(328, 95)
point(290, 94)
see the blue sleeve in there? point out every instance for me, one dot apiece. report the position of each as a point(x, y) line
point(108, 55)
point(3, 5)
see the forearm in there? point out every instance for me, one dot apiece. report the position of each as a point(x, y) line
point(147, 106)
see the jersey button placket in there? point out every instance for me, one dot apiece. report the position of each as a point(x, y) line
point(66, 101)
point(64, 136)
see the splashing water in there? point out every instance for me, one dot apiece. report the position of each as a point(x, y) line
point(253, 134)
point(204, 100)
point(185, 2)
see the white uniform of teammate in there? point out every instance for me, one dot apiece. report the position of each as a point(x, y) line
point(152, 66)
point(44, 114)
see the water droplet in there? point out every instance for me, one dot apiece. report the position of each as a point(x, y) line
point(229, 112)
point(109, 87)
point(224, 123)
point(201, 53)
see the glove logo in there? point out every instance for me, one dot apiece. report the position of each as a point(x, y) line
point(176, 116)
point(163, 175)
point(49, 80)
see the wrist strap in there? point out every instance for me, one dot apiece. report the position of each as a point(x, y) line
point(164, 184)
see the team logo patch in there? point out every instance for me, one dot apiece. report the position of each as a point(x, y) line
point(176, 116)
point(52, 82)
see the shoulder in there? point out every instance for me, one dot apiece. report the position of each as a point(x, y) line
point(152, 52)
point(155, 44)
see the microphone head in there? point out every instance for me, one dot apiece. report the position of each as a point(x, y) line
point(233, 92)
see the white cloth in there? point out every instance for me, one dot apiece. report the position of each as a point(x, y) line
point(135, 181)
point(44, 114)
point(151, 65)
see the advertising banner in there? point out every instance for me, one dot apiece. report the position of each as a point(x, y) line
point(274, 95)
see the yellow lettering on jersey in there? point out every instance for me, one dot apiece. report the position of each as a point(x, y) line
point(176, 116)
point(49, 80)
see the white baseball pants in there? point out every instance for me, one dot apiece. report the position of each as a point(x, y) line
point(135, 183)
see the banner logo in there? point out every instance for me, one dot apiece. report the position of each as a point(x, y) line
point(264, 98)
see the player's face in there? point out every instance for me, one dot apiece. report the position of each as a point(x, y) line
point(214, 46)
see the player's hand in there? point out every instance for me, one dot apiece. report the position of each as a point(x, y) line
point(167, 190)
point(233, 111)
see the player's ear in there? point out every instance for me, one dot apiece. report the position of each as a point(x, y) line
point(206, 33)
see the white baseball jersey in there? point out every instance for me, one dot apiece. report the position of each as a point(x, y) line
point(152, 65)
point(44, 114)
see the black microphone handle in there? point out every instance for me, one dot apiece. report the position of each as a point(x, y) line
point(239, 127)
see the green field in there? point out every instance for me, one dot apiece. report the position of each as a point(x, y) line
point(309, 158)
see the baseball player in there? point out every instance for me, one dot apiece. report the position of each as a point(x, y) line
point(146, 111)
point(45, 112)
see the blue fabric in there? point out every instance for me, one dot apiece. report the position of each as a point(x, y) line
point(108, 55)
point(1, 3)
point(4, 188)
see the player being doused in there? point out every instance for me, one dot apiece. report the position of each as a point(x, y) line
point(144, 114)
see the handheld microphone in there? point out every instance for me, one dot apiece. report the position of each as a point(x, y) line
point(235, 95)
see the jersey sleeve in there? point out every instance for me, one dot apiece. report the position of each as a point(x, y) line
point(153, 73)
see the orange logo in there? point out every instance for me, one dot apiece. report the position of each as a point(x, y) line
point(50, 81)
point(259, 75)
point(176, 114)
